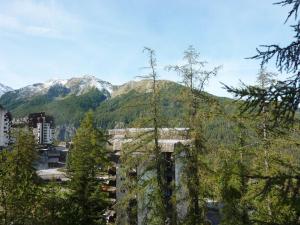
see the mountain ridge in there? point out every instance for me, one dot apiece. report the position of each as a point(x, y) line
point(4, 89)
point(81, 85)
point(121, 105)
point(74, 85)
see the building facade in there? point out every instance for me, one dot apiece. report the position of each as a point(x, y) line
point(169, 140)
point(5, 127)
point(43, 127)
point(174, 144)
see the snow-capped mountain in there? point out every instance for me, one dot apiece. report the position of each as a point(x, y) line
point(4, 89)
point(76, 86)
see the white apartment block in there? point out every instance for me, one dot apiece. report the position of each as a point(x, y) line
point(43, 128)
point(43, 133)
point(5, 126)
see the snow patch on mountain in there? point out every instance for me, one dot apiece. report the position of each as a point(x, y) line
point(80, 85)
point(53, 82)
point(76, 85)
point(4, 89)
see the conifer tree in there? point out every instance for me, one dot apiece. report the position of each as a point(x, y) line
point(283, 94)
point(233, 181)
point(144, 156)
point(282, 100)
point(88, 159)
point(19, 190)
point(4, 189)
point(195, 78)
point(272, 169)
point(264, 80)
point(55, 206)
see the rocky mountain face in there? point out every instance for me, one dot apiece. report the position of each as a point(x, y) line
point(4, 89)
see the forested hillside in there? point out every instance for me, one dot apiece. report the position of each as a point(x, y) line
point(124, 108)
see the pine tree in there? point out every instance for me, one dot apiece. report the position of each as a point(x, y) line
point(195, 78)
point(234, 184)
point(264, 80)
point(4, 189)
point(88, 158)
point(55, 206)
point(20, 190)
point(282, 100)
point(273, 175)
point(282, 95)
point(159, 159)
point(143, 155)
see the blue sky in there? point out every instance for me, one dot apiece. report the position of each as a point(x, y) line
point(42, 40)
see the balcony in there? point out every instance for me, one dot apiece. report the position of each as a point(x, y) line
point(107, 188)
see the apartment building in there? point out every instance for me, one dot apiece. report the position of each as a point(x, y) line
point(5, 127)
point(43, 127)
point(170, 139)
point(174, 142)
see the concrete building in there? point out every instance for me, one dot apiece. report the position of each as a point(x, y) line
point(51, 162)
point(51, 157)
point(170, 139)
point(174, 142)
point(5, 127)
point(43, 127)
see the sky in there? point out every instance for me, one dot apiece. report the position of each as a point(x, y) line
point(59, 39)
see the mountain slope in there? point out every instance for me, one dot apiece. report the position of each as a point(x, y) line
point(57, 95)
point(142, 86)
point(130, 102)
point(66, 110)
point(74, 86)
point(4, 89)
point(131, 109)
point(125, 105)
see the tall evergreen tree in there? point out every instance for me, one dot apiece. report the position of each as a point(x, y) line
point(144, 155)
point(164, 204)
point(195, 78)
point(233, 181)
point(88, 159)
point(264, 80)
point(19, 190)
point(54, 207)
point(282, 95)
point(4, 189)
point(282, 100)
point(270, 168)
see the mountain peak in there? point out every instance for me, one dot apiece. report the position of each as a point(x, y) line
point(87, 76)
point(89, 81)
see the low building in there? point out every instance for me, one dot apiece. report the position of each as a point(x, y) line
point(5, 127)
point(43, 127)
point(50, 157)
